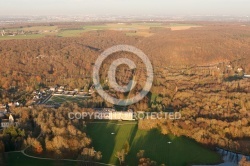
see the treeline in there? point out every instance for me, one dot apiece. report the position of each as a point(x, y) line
point(50, 133)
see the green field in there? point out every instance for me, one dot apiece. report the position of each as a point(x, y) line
point(18, 159)
point(121, 26)
point(142, 29)
point(63, 99)
point(181, 152)
point(70, 33)
point(130, 29)
point(32, 36)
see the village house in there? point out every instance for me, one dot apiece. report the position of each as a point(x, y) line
point(229, 67)
point(240, 69)
point(61, 89)
point(53, 89)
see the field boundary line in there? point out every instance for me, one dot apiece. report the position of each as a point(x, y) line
point(42, 158)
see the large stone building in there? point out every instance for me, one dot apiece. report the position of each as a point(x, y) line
point(112, 114)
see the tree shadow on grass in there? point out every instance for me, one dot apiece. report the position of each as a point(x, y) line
point(102, 139)
point(168, 149)
point(132, 135)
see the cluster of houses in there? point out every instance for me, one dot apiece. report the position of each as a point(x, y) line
point(41, 96)
point(15, 104)
point(239, 70)
point(22, 32)
point(11, 33)
point(61, 90)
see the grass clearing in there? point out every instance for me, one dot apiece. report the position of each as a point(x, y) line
point(63, 99)
point(70, 33)
point(181, 152)
point(18, 159)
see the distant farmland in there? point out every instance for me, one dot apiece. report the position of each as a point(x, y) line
point(130, 29)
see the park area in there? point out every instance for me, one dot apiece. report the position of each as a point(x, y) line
point(19, 159)
point(110, 137)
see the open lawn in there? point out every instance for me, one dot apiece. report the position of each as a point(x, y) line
point(110, 137)
point(63, 99)
point(181, 152)
point(18, 159)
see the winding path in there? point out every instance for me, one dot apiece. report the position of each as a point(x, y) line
point(41, 158)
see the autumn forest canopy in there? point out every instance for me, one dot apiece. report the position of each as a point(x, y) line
point(201, 69)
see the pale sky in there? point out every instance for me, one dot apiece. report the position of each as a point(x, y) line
point(125, 7)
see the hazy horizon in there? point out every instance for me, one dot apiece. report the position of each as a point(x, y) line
point(125, 7)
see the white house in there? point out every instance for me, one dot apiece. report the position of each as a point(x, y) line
point(60, 89)
point(53, 89)
point(229, 67)
point(17, 104)
point(240, 69)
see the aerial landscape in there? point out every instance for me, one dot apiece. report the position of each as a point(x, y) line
point(125, 83)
